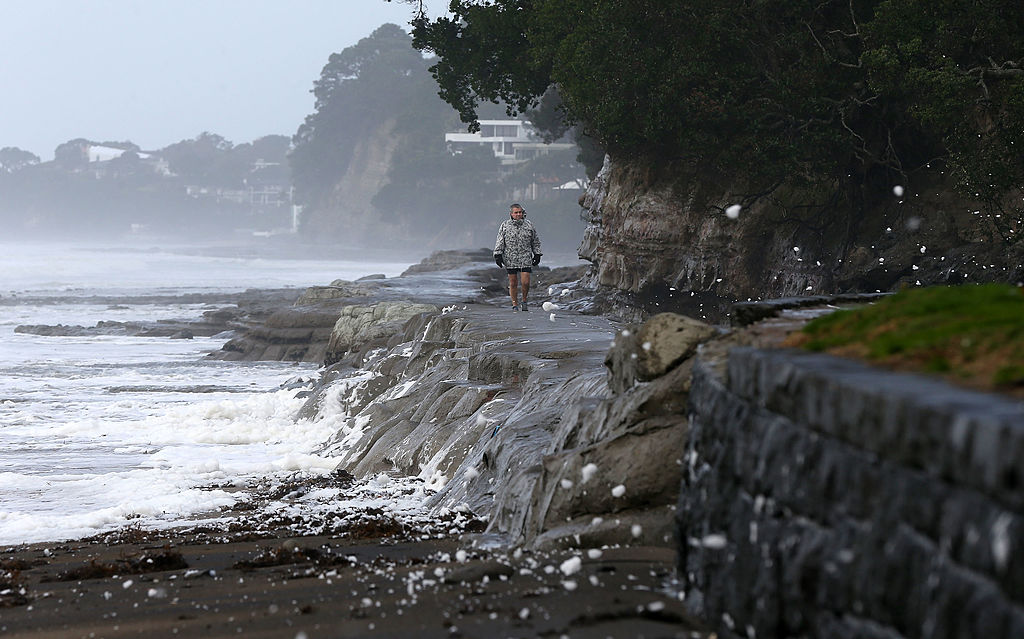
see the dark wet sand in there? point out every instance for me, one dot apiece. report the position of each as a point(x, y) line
point(209, 585)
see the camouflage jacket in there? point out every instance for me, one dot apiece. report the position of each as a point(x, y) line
point(517, 243)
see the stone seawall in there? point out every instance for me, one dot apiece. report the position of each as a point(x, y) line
point(824, 498)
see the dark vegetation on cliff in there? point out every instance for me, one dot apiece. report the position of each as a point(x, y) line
point(776, 91)
point(972, 335)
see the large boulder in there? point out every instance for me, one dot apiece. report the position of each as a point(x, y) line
point(362, 327)
point(337, 289)
point(644, 353)
point(667, 339)
point(447, 260)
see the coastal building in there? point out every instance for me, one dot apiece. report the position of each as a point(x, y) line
point(512, 141)
point(101, 153)
point(108, 161)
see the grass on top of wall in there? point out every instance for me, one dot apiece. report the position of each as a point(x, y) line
point(970, 334)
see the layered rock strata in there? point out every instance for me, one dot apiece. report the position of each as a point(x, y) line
point(510, 416)
point(290, 334)
point(664, 242)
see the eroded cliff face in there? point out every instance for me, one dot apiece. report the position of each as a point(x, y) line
point(665, 242)
point(348, 212)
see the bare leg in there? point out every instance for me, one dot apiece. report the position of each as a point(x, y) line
point(513, 287)
point(524, 279)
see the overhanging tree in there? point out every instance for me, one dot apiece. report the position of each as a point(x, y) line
point(832, 91)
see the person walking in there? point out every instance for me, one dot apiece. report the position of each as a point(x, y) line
point(517, 250)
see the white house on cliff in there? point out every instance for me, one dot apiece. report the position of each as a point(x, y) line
point(512, 141)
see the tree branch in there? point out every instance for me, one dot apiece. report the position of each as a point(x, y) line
point(1008, 69)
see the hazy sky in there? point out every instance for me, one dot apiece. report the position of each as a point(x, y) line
point(159, 71)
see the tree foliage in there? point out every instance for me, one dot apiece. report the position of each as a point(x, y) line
point(12, 159)
point(210, 160)
point(957, 69)
point(550, 119)
point(358, 89)
point(485, 56)
point(149, 190)
point(773, 90)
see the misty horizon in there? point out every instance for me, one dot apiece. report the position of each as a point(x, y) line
point(239, 69)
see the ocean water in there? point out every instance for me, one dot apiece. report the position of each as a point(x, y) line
point(100, 431)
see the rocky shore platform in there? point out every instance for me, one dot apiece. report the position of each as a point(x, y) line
point(226, 312)
point(549, 506)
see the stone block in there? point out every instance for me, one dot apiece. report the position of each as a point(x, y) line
point(357, 326)
point(665, 340)
point(969, 437)
point(644, 466)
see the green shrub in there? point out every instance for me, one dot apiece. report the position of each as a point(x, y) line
point(966, 331)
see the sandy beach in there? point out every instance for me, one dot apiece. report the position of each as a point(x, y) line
point(205, 583)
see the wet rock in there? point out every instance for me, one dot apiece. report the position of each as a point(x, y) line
point(667, 339)
point(645, 352)
point(290, 334)
point(57, 330)
point(615, 459)
point(337, 289)
point(621, 360)
point(446, 260)
point(504, 420)
point(496, 412)
point(365, 327)
point(747, 313)
point(636, 461)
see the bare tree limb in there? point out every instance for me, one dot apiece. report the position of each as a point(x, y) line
point(815, 36)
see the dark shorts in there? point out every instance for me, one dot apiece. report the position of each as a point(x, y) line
point(513, 271)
